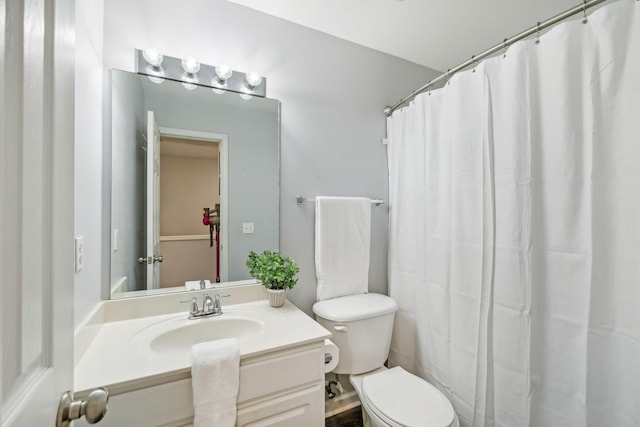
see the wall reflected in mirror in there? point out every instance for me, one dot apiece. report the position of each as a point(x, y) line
point(180, 207)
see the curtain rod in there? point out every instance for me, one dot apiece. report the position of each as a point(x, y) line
point(581, 8)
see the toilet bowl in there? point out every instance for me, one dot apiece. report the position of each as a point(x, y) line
point(395, 398)
point(361, 326)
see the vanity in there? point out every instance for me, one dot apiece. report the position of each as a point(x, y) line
point(139, 348)
point(138, 343)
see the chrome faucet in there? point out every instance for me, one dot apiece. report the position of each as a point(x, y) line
point(210, 306)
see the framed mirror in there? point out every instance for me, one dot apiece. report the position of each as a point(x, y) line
point(194, 184)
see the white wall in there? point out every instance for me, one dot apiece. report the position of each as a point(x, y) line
point(332, 95)
point(88, 157)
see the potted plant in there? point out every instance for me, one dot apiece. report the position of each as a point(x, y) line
point(277, 273)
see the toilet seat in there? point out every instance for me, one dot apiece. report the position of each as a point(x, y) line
point(401, 399)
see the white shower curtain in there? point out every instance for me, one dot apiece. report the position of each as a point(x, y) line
point(515, 230)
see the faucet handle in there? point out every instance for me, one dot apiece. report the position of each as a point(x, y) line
point(218, 296)
point(217, 307)
point(208, 305)
point(194, 306)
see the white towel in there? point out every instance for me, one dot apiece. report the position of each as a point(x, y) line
point(215, 372)
point(343, 238)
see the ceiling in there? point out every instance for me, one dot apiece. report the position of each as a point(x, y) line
point(435, 33)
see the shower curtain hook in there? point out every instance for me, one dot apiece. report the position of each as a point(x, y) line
point(505, 46)
point(448, 77)
point(584, 11)
point(473, 61)
point(538, 33)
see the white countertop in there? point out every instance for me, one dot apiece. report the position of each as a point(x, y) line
point(119, 357)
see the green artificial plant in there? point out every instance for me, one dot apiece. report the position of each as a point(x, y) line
point(273, 270)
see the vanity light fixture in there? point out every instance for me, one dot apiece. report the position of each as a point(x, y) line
point(192, 74)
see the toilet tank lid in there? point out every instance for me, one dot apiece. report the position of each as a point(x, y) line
point(355, 307)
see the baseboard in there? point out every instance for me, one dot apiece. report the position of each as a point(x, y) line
point(340, 403)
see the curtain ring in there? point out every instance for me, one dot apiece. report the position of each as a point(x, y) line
point(538, 33)
point(584, 11)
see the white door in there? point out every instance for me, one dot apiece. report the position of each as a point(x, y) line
point(153, 203)
point(36, 209)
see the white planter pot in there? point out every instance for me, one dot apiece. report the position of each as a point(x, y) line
point(277, 297)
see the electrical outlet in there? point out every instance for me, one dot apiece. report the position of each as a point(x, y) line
point(79, 253)
point(247, 228)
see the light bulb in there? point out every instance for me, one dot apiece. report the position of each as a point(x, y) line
point(253, 79)
point(155, 74)
point(223, 72)
point(153, 57)
point(189, 81)
point(216, 82)
point(190, 65)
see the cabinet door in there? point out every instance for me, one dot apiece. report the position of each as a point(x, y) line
point(166, 405)
point(299, 408)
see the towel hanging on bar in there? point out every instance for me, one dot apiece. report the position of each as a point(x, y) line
point(301, 199)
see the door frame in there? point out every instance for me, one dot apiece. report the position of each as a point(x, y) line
point(223, 149)
point(153, 202)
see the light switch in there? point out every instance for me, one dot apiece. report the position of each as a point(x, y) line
point(247, 228)
point(116, 239)
point(79, 253)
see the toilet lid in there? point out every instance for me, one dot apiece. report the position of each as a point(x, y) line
point(406, 399)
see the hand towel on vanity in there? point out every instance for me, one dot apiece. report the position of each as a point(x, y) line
point(343, 238)
point(215, 372)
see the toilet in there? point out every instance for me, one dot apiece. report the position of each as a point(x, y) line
point(361, 326)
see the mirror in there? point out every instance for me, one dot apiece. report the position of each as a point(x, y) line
point(194, 184)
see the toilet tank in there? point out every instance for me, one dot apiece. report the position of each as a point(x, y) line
point(361, 326)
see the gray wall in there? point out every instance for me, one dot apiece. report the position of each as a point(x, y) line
point(128, 179)
point(332, 95)
point(251, 127)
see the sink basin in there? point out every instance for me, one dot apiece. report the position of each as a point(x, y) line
point(181, 339)
point(177, 335)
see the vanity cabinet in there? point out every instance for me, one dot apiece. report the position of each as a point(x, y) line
point(286, 389)
point(294, 409)
point(277, 388)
